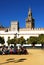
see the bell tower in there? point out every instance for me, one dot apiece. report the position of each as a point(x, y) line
point(30, 20)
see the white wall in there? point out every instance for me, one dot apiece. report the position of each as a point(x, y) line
point(25, 34)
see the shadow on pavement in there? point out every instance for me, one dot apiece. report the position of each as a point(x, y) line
point(13, 60)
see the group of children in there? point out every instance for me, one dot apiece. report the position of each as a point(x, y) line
point(5, 50)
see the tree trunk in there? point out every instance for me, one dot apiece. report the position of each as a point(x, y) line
point(33, 45)
point(42, 45)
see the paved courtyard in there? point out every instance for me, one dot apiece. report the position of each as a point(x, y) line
point(35, 57)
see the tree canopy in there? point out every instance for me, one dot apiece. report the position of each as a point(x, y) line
point(32, 40)
point(2, 40)
point(21, 40)
point(41, 38)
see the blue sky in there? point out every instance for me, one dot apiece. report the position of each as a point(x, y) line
point(11, 10)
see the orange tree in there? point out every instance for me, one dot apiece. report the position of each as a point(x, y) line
point(13, 41)
point(21, 40)
point(2, 41)
point(32, 40)
point(41, 39)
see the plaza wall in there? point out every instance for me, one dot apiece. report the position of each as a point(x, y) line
point(18, 34)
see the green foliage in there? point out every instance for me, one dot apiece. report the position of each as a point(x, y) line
point(16, 40)
point(12, 41)
point(9, 41)
point(41, 39)
point(2, 40)
point(32, 40)
point(21, 40)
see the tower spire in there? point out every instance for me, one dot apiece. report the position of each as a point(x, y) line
point(30, 20)
point(29, 12)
